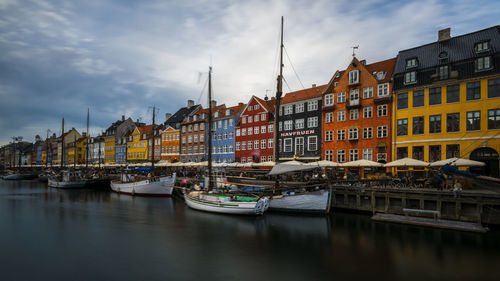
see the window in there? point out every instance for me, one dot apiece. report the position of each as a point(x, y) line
point(270, 128)
point(434, 153)
point(195, 128)
point(329, 117)
point(244, 132)
point(368, 112)
point(353, 114)
point(482, 46)
point(230, 122)
point(237, 146)
point(341, 97)
point(452, 122)
point(238, 132)
point(418, 153)
point(353, 155)
point(280, 126)
point(255, 118)
point(256, 130)
point(329, 155)
point(353, 77)
point(262, 129)
point(299, 108)
point(340, 155)
point(494, 119)
point(367, 133)
point(243, 160)
point(434, 124)
point(249, 119)
point(250, 131)
point(341, 116)
point(443, 72)
point(367, 154)
point(494, 88)
point(288, 109)
point(382, 157)
point(418, 125)
point(329, 99)
point(340, 134)
point(354, 97)
point(402, 152)
point(312, 105)
point(443, 57)
point(410, 77)
point(473, 90)
point(256, 144)
point(483, 63)
point(418, 98)
point(312, 143)
point(434, 96)
point(381, 131)
point(312, 122)
point(243, 145)
point(473, 121)
point(383, 90)
point(402, 101)
point(250, 145)
point(269, 158)
point(402, 127)
point(263, 117)
point(410, 63)
point(249, 159)
point(299, 124)
point(190, 139)
point(287, 145)
point(288, 125)
point(382, 110)
point(353, 133)
point(452, 150)
point(329, 136)
point(270, 143)
point(263, 144)
point(243, 120)
point(368, 92)
point(202, 126)
point(452, 94)
point(255, 107)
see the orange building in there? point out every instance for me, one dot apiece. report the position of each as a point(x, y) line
point(357, 113)
point(170, 144)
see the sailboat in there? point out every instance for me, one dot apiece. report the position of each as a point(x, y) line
point(133, 184)
point(301, 202)
point(216, 202)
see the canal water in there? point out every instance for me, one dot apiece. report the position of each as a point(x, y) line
point(50, 234)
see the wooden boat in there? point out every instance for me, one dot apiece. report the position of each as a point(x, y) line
point(306, 202)
point(226, 204)
point(154, 186)
point(68, 179)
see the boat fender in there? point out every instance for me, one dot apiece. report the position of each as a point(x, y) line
point(266, 204)
point(133, 191)
point(259, 207)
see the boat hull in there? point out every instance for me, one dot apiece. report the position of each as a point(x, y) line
point(310, 202)
point(19, 177)
point(161, 187)
point(66, 184)
point(230, 207)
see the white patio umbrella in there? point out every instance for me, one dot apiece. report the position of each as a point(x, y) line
point(362, 163)
point(234, 164)
point(407, 162)
point(292, 162)
point(458, 162)
point(264, 164)
point(323, 163)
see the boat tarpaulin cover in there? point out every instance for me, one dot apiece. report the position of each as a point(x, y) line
point(285, 168)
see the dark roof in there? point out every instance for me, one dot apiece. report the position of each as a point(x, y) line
point(179, 116)
point(459, 48)
point(310, 93)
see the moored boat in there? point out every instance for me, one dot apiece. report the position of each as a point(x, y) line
point(69, 179)
point(226, 204)
point(306, 202)
point(153, 186)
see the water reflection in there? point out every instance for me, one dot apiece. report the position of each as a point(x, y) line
point(54, 232)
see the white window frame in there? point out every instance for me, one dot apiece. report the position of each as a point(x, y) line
point(353, 133)
point(329, 99)
point(329, 136)
point(287, 145)
point(368, 92)
point(381, 110)
point(299, 108)
point(299, 123)
point(299, 142)
point(353, 114)
point(341, 97)
point(341, 116)
point(353, 77)
point(368, 133)
point(312, 140)
point(353, 155)
point(312, 105)
point(383, 90)
point(312, 122)
point(367, 112)
point(329, 117)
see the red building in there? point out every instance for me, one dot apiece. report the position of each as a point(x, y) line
point(255, 132)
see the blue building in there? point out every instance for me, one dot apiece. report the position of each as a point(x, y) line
point(223, 138)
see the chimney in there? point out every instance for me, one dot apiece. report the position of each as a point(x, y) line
point(84, 134)
point(363, 62)
point(313, 85)
point(240, 104)
point(444, 34)
point(214, 103)
point(167, 116)
point(123, 117)
point(190, 103)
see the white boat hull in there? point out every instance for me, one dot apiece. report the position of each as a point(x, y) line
point(227, 207)
point(66, 184)
point(310, 202)
point(162, 186)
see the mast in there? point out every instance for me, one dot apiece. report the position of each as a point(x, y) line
point(74, 153)
point(279, 92)
point(87, 141)
point(209, 141)
point(62, 144)
point(153, 137)
point(47, 147)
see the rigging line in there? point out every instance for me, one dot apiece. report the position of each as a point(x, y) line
point(286, 83)
point(202, 90)
point(275, 64)
point(293, 68)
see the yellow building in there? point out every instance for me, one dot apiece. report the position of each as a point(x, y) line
point(81, 143)
point(448, 100)
point(137, 145)
point(109, 149)
point(170, 143)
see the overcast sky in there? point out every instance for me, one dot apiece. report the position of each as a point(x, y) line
point(59, 58)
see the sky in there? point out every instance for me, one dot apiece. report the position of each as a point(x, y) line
point(60, 58)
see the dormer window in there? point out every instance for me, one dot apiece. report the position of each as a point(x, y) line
point(443, 57)
point(411, 63)
point(353, 77)
point(483, 63)
point(410, 77)
point(195, 117)
point(228, 112)
point(443, 72)
point(482, 47)
point(216, 114)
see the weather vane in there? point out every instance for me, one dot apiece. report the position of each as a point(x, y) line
point(353, 49)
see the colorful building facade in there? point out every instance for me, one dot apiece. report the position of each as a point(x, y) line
point(223, 139)
point(137, 145)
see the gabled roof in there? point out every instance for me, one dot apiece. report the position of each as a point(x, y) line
point(335, 78)
point(179, 116)
point(204, 111)
point(386, 66)
point(145, 129)
point(234, 110)
point(459, 48)
point(305, 94)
